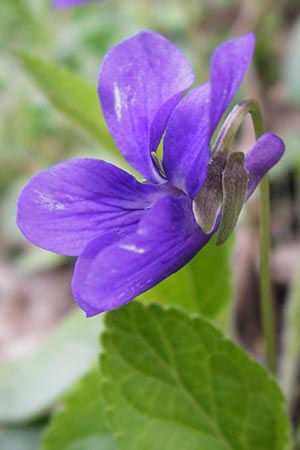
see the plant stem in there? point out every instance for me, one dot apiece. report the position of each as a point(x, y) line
point(224, 142)
point(233, 122)
point(266, 299)
point(267, 310)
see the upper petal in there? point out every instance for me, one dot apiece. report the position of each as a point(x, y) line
point(192, 123)
point(228, 65)
point(140, 82)
point(186, 143)
point(63, 208)
point(264, 155)
point(166, 239)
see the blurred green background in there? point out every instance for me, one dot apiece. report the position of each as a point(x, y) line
point(48, 114)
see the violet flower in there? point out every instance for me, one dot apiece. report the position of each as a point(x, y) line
point(67, 3)
point(128, 234)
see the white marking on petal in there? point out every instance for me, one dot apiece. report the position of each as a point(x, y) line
point(132, 248)
point(118, 104)
point(48, 202)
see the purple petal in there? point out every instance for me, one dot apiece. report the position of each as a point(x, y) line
point(229, 63)
point(66, 3)
point(166, 239)
point(63, 208)
point(186, 144)
point(141, 80)
point(264, 155)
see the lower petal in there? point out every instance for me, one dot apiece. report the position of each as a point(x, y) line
point(166, 239)
point(63, 208)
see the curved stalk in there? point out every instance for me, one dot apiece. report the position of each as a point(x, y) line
point(224, 143)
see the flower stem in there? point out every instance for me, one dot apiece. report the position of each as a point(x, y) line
point(224, 142)
point(267, 310)
point(266, 300)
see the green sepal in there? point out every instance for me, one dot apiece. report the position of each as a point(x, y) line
point(235, 183)
point(208, 201)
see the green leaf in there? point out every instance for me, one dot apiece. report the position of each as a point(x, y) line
point(76, 98)
point(172, 381)
point(81, 424)
point(204, 285)
point(28, 387)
